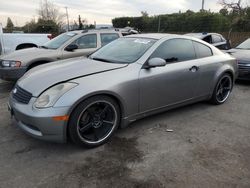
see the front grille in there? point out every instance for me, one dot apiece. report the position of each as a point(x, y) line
point(244, 66)
point(21, 95)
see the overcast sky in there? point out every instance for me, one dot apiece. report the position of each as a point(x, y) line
point(101, 11)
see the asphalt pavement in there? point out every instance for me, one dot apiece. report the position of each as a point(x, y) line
point(200, 145)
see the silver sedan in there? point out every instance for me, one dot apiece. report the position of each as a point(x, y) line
point(87, 99)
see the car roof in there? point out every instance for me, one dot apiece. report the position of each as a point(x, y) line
point(94, 31)
point(201, 35)
point(157, 36)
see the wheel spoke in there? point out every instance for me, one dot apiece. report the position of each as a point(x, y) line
point(86, 127)
point(221, 96)
point(223, 82)
point(108, 122)
point(91, 113)
point(218, 92)
point(104, 110)
point(227, 88)
point(95, 135)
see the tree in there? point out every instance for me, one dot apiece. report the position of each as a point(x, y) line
point(49, 11)
point(224, 11)
point(144, 13)
point(80, 22)
point(234, 6)
point(10, 26)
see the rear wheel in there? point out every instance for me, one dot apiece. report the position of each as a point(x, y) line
point(94, 121)
point(222, 90)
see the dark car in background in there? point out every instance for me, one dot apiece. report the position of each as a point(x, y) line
point(242, 54)
point(215, 39)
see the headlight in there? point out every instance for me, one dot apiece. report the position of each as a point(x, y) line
point(10, 63)
point(50, 96)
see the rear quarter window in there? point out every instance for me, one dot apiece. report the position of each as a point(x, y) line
point(202, 50)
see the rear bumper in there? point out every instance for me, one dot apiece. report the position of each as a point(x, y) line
point(12, 73)
point(38, 123)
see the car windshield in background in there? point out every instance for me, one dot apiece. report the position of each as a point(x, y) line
point(244, 45)
point(58, 41)
point(123, 50)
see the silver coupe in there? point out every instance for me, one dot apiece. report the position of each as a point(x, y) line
point(87, 99)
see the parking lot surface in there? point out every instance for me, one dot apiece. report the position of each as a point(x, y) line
point(195, 146)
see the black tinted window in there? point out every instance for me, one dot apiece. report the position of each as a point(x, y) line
point(108, 37)
point(175, 50)
point(216, 39)
point(202, 50)
point(208, 39)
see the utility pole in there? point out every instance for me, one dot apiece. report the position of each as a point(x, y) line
point(67, 18)
point(202, 6)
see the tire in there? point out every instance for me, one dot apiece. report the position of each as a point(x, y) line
point(94, 121)
point(222, 90)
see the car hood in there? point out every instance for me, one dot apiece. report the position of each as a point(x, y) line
point(241, 55)
point(42, 77)
point(28, 54)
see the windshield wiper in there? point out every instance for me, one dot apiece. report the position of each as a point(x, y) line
point(102, 59)
point(45, 47)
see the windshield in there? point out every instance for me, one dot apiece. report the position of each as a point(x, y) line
point(123, 50)
point(58, 41)
point(244, 45)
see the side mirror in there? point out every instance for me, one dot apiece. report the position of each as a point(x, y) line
point(156, 62)
point(71, 47)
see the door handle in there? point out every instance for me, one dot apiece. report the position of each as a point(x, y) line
point(194, 69)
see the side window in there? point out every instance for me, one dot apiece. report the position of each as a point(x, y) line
point(202, 50)
point(108, 37)
point(86, 41)
point(216, 38)
point(175, 50)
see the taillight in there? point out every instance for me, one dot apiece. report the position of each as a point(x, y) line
point(50, 36)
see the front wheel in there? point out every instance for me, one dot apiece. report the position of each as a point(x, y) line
point(94, 121)
point(222, 89)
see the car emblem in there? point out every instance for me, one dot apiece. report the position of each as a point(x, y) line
point(14, 91)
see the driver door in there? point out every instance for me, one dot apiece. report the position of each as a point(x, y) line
point(174, 83)
point(86, 45)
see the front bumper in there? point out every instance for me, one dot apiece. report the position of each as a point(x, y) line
point(38, 123)
point(244, 72)
point(12, 73)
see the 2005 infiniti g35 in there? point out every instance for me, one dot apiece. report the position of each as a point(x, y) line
point(87, 99)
